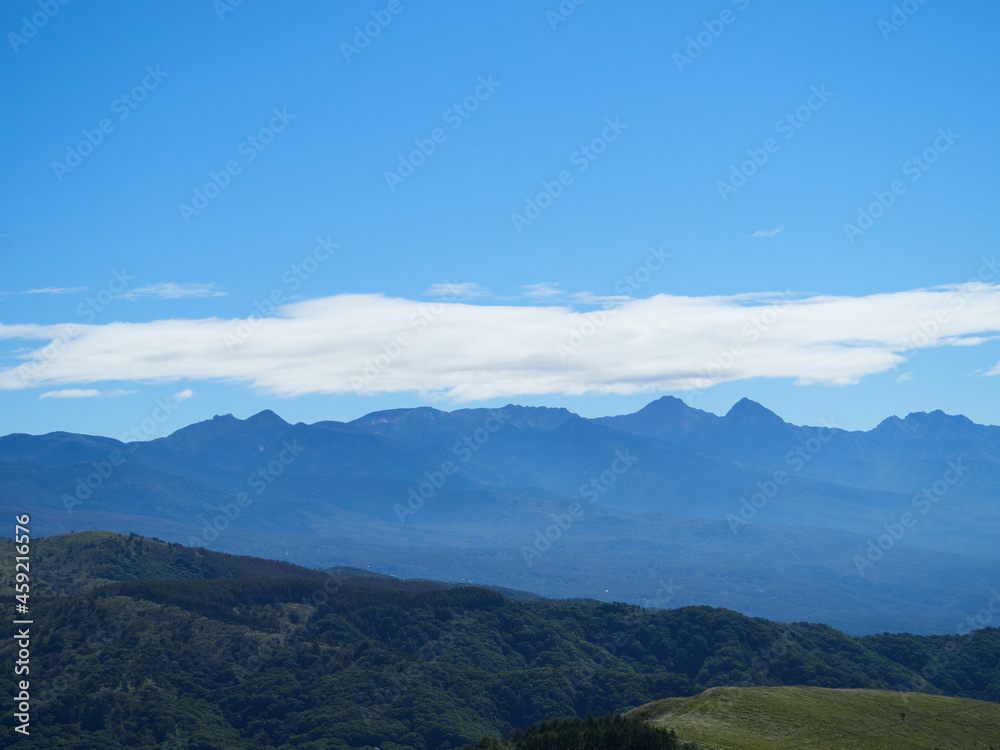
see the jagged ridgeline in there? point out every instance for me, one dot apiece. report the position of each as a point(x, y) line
point(897, 526)
point(143, 644)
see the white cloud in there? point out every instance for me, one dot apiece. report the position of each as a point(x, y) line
point(547, 290)
point(173, 290)
point(904, 377)
point(50, 290)
point(86, 393)
point(766, 232)
point(968, 340)
point(453, 291)
point(589, 298)
point(544, 290)
point(183, 395)
point(56, 290)
point(469, 352)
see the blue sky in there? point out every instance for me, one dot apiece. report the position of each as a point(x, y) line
point(634, 115)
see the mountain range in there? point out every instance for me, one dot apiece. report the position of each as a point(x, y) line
point(891, 529)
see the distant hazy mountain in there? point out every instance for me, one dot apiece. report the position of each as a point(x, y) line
point(744, 510)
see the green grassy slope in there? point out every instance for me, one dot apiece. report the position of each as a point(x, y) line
point(783, 718)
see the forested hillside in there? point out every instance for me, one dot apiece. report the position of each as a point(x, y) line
point(213, 651)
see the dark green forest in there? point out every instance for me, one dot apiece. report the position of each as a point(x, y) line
point(609, 732)
point(140, 644)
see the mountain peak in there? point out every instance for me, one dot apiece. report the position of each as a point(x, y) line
point(937, 417)
point(746, 410)
point(667, 404)
point(418, 418)
point(667, 418)
point(262, 427)
point(540, 417)
point(266, 418)
point(935, 425)
point(752, 432)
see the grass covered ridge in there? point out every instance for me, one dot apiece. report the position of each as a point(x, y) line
point(782, 718)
